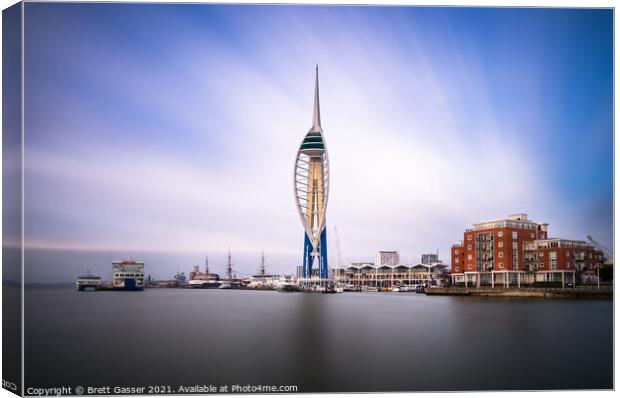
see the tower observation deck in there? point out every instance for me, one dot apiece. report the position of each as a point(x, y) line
point(311, 189)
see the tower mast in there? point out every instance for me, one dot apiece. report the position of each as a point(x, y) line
point(311, 188)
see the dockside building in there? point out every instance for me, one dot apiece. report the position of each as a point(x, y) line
point(517, 251)
point(383, 275)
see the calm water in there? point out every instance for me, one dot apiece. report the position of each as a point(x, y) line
point(346, 342)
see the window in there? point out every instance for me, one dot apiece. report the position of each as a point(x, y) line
point(456, 269)
point(469, 266)
point(500, 234)
point(501, 265)
point(541, 254)
point(567, 254)
point(468, 237)
point(469, 256)
point(514, 235)
point(568, 264)
point(532, 235)
point(553, 260)
point(500, 244)
point(515, 246)
point(541, 265)
point(456, 251)
point(590, 255)
point(500, 254)
point(468, 247)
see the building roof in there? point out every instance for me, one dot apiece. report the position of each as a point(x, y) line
point(519, 220)
point(408, 266)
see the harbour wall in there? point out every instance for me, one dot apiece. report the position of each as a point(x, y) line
point(578, 293)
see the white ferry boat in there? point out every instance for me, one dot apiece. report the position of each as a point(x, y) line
point(128, 275)
point(88, 282)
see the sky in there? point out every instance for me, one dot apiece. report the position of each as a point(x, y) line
point(173, 129)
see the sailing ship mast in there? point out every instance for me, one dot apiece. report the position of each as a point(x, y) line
point(229, 271)
point(262, 264)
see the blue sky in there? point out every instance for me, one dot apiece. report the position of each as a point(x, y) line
point(173, 128)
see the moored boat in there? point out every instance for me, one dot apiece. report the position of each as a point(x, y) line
point(88, 282)
point(286, 283)
point(204, 284)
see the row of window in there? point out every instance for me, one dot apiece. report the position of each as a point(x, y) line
point(553, 264)
point(553, 254)
point(122, 275)
point(500, 234)
point(540, 254)
point(470, 267)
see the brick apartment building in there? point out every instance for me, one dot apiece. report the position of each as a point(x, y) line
point(515, 251)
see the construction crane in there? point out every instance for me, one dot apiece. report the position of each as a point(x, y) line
point(338, 254)
point(608, 253)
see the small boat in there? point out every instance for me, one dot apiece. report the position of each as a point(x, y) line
point(286, 283)
point(204, 283)
point(226, 285)
point(349, 287)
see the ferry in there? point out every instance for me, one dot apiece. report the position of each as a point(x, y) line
point(88, 282)
point(128, 275)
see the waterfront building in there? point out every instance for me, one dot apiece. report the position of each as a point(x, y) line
point(516, 251)
point(388, 257)
point(383, 275)
point(556, 257)
point(311, 189)
point(128, 274)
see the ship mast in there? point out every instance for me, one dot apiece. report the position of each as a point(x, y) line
point(262, 264)
point(229, 271)
point(207, 265)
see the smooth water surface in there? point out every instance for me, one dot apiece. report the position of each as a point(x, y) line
point(343, 342)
